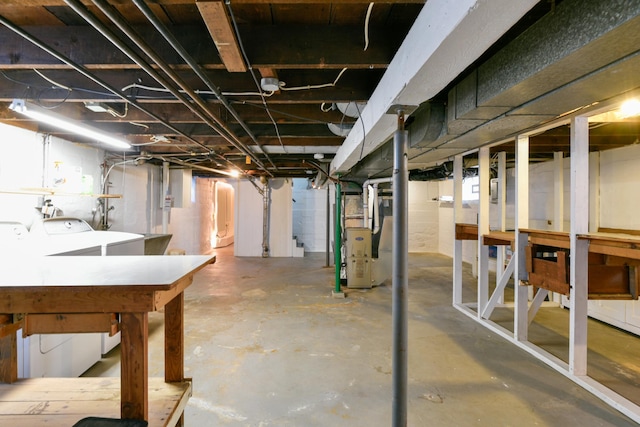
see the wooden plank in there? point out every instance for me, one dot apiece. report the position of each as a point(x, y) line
point(563, 266)
point(64, 401)
point(74, 300)
point(553, 270)
point(546, 282)
point(558, 239)
point(8, 348)
point(214, 14)
point(174, 339)
point(134, 367)
point(499, 238)
point(164, 297)
point(466, 231)
point(611, 282)
point(8, 359)
point(87, 47)
point(610, 297)
point(609, 279)
point(528, 258)
point(618, 231)
point(67, 323)
point(7, 325)
point(615, 249)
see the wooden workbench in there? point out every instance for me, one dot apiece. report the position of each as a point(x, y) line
point(612, 267)
point(499, 238)
point(493, 238)
point(82, 294)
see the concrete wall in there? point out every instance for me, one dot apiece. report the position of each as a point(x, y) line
point(30, 160)
point(446, 230)
point(249, 219)
point(281, 218)
point(424, 230)
point(310, 214)
point(619, 183)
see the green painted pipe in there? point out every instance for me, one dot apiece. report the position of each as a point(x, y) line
point(338, 240)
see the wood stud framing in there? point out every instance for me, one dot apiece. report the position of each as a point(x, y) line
point(581, 244)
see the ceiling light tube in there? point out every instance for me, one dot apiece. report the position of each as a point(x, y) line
point(44, 116)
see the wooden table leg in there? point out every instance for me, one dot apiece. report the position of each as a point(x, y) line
point(134, 373)
point(8, 349)
point(174, 339)
point(9, 358)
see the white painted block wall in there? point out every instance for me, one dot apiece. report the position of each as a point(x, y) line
point(424, 232)
point(249, 219)
point(138, 211)
point(310, 214)
point(447, 227)
point(21, 166)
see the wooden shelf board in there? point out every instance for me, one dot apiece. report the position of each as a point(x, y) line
point(64, 401)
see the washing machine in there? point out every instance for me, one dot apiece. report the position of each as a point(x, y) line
point(55, 355)
point(77, 232)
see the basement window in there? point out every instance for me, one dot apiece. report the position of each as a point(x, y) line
point(471, 189)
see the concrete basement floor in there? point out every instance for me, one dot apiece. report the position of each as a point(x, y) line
point(267, 345)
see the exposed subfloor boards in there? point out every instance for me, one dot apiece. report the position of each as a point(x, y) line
point(267, 345)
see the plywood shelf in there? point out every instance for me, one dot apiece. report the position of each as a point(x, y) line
point(64, 401)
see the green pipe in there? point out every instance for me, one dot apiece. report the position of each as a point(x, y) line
point(338, 240)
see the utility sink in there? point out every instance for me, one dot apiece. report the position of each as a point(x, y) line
point(156, 244)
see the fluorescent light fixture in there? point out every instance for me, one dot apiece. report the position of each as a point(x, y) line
point(96, 107)
point(45, 116)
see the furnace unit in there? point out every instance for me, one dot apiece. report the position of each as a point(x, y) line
point(358, 257)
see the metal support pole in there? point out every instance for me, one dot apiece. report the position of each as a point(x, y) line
point(400, 280)
point(338, 240)
point(266, 193)
point(328, 235)
point(166, 207)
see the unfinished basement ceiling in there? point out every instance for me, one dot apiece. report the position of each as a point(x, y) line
point(316, 55)
point(574, 57)
point(205, 108)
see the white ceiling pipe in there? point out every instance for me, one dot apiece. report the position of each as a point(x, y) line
point(365, 195)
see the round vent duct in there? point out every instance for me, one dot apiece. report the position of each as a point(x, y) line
point(351, 109)
point(341, 129)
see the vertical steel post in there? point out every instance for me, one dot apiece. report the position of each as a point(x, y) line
point(328, 234)
point(265, 219)
point(338, 240)
point(400, 280)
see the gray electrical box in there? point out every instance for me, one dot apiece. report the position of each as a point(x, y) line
point(358, 257)
point(180, 187)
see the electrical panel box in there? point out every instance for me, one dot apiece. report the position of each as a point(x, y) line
point(180, 187)
point(358, 257)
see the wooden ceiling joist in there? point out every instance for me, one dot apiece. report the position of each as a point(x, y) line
point(218, 23)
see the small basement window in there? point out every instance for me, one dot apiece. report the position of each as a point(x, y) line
point(471, 189)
